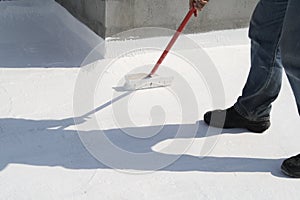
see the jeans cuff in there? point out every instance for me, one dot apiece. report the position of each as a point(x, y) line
point(251, 118)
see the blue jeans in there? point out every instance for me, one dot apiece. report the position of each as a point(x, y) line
point(275, 45)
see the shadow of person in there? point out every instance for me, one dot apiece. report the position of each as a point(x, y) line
point(54, 143)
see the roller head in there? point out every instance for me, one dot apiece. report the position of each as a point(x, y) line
point(143, 81)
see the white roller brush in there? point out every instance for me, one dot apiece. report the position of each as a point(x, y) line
point(143, 81)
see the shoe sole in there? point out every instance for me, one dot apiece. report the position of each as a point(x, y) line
point(258, 128)
point(288, 173)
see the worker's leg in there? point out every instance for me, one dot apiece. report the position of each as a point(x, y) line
point(252, 109)
point(290, 45)
point(264, 80)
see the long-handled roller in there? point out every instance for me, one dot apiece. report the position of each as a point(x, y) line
point(152, 80)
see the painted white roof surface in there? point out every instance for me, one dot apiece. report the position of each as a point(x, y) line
point(42, 156)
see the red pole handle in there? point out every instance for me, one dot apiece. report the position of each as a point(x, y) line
point(173, 40)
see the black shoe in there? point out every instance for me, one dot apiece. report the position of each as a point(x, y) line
point(291, 166)
point(230, 118)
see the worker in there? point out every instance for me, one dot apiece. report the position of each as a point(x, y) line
point(275, 45)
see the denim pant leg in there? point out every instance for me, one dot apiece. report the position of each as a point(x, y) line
point(264, 80)
point(290, 45)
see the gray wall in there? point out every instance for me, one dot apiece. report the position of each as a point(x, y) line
point(108, 17)
point(90, 12)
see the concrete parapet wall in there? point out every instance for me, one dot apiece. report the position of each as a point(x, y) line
point(108, 17)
